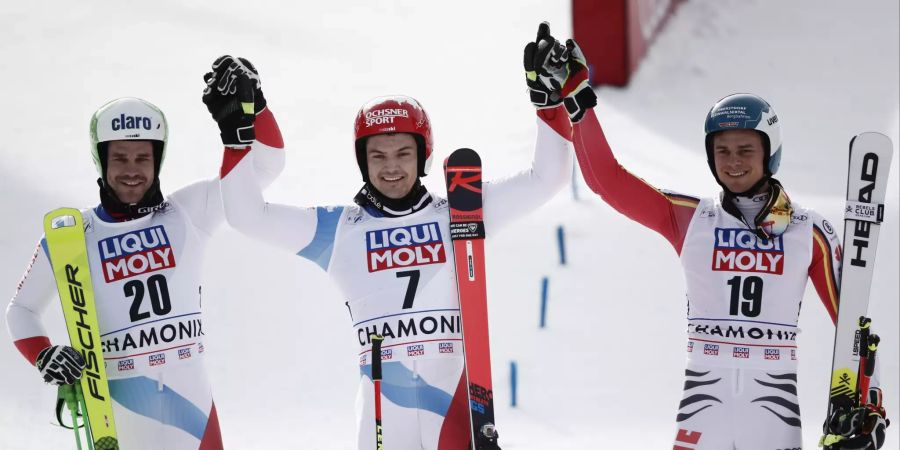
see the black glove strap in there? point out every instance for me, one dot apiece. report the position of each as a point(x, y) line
point(582, 101)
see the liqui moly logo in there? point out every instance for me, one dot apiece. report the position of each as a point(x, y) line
point(741, 250)
point(184, 353)
point(741, 352)
point(387, 353)
point(445, 347)
point(690, 347)
point(157, 359)
point(711, 349)
point(135, 253)
point(793, 354)
point(126, 364)
point(773, 353)
point(413, 245)
point(415, 350)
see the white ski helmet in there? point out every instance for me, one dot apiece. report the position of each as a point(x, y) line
point(128, 119)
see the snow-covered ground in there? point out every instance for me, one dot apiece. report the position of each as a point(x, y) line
point(606, 372)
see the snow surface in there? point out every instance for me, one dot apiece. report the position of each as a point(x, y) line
point(607, 370)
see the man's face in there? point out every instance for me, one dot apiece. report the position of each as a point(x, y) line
point(738, 155)
point(392, 163)
point(129, 169)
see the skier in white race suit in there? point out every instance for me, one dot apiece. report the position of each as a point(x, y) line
point(145, 253)
point(391, 257)
point(746, 254)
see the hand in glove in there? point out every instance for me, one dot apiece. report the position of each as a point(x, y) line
point(557, 72)
point(60, 364)
point(544, 69)
point(861, 428)
point(579, 96)
point(233, 96)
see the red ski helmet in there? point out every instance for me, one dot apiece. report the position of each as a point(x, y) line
point(393, 114)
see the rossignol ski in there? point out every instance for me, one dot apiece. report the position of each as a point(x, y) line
point(870, 162)
point(67, 251)
point(463, 174)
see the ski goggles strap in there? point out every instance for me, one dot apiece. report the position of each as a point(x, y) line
point(867, 212)
point(775, 217)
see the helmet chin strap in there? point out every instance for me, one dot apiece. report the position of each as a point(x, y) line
point(417, 198)
point(151, 201)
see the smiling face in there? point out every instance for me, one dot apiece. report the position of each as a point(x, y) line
point(738, 156)
point(129, 169)
point(392, 163)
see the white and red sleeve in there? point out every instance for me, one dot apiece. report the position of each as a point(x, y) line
point(203, 200)
point(33, 294)
point(287, 227)
point(512, 197)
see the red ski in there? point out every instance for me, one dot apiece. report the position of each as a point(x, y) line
point(463, 173)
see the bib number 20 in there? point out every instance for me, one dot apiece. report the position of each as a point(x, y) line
point(158, 291)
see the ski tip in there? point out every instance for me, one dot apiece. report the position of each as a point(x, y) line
point(62, 218)
point(872, 138)
point(463, 153)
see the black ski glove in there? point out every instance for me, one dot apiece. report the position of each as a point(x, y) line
point(60, 364)
point(544, 68)
point(233, 96)
point(861, 428)
point(579, 96)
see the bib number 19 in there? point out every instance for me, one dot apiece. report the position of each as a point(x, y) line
point(746, 296)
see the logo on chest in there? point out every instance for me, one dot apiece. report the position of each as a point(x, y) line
point(741, 250)
point(413, 245)
point(135, 253)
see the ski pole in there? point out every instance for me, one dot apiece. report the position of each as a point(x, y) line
point(376, 379)
point(869, 369)
point(862, 381)
point(88, 431)
point(66, 393)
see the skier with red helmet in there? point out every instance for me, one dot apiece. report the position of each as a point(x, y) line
point(389, 255)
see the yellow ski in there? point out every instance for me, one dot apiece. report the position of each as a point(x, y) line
point(64, 231)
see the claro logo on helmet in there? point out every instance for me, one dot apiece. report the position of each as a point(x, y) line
point(385, 116)
point(124, 122)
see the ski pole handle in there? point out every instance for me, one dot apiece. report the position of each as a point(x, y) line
point(872, 347)
point(865, 324)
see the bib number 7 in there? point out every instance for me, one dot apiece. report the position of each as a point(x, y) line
point(410, 297)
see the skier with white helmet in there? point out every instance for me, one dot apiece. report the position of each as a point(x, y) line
point(391, 257)
point(145, 252)
point(746, 254)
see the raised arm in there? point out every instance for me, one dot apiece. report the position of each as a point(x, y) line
point(559, 74)
point(251, 136)
point(244, 123)
point(666, 213)
point(512, 197)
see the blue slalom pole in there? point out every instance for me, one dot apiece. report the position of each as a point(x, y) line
point(513, 381)
point(544, 285)
point(561, 242)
